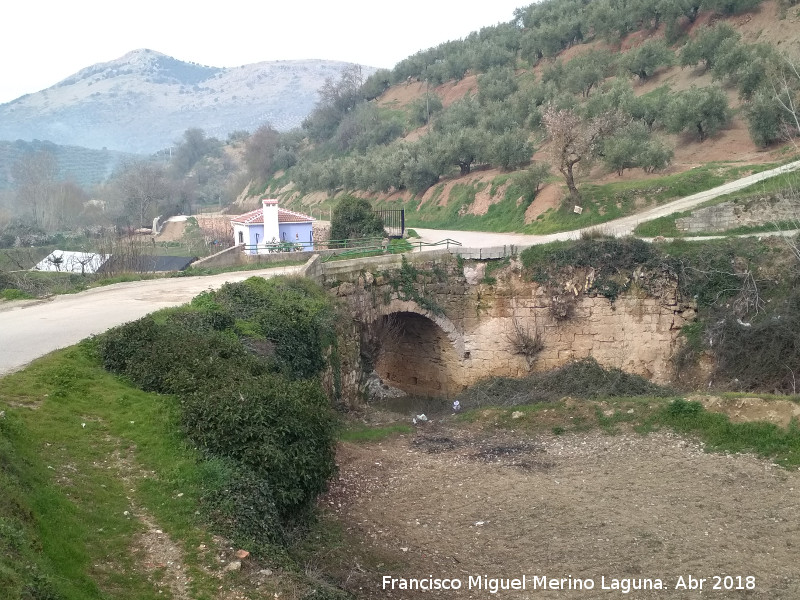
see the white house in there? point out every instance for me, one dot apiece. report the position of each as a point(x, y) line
point(273, 229)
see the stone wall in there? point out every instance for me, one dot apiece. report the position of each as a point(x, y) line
point(730, 215)
point(456, 331)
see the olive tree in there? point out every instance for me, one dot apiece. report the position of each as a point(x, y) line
point(703, 110)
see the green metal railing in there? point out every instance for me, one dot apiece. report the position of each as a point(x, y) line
point(447, 242)
point(307, 246)
point(378, 250)
point(351, 248)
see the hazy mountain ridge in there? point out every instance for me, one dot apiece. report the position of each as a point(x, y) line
point(84, 166)
point(145, 100)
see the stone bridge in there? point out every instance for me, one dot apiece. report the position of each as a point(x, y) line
point(434, 323)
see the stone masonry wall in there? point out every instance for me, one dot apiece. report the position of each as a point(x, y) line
point(730, 215)
point(461, 329)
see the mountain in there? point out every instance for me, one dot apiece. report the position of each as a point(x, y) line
point(84, 166)
point(145, 100)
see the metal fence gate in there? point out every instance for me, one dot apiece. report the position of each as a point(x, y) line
point(394, 221)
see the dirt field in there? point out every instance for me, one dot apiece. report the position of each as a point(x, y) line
point(453, 503)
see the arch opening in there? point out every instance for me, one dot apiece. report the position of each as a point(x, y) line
point(413, 353)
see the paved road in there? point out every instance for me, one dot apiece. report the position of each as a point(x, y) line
point(619, 227)
point(29, 330)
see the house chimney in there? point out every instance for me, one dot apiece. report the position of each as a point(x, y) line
point(271, 233)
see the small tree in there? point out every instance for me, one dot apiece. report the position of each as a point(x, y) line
point(575, 139)
point(464, 148)
point(259, 152)
point(644, 60)
point(704, 110)
point(144, 187)
point(193, 146)
point(651, 107)
point(633, 146)
point(511, 149)
point(765, 118)
point(422, 109)
point(531, 180)
point(353, 218)
point(706, 44)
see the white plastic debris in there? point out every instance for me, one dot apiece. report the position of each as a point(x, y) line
point(422, 418)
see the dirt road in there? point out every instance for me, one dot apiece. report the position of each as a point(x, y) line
point(30, 329)
point(618, 228)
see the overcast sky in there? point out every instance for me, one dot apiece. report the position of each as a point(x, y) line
point(43, 42)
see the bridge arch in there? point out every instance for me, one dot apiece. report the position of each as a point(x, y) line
point(420, 352)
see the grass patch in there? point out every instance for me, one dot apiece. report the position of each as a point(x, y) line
point(719, 434)
point(504, 216)
point(358, 433)
point(602, 203)
point(662, 226)
point(645, 415)
point(14, 294)
point(75, 445)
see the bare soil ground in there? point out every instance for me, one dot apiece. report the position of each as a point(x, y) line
point(172, 231)
point(452, 502)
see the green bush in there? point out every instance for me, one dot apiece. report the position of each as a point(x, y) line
point(262, 419)
point(280, 431)
point(354, 218)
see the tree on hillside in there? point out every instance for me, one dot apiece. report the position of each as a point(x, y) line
point(497, 83)
point(614, 95)
point(704, 110)
point(193, 147)
point(532, 179)
point(464, 148)
point(376, 84)
point(633, 146)
point(651, 107)
point(336, 99)
point(574, 139)
point(644, 60)
point(766, 119)
point(510, 150)
point(586, 71)
point(35, 175)
point(422, 109)
point(353, 218)
point(705, 46)
point(786, 91)
point(259, 152)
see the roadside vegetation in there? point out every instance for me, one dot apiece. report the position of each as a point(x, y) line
point(232, 433)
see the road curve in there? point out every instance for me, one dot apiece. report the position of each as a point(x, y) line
point(30, 329)
point(618, 227)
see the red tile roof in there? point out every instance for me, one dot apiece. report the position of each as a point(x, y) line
point(254, 216)
point(284, 216)
point(289, 216)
